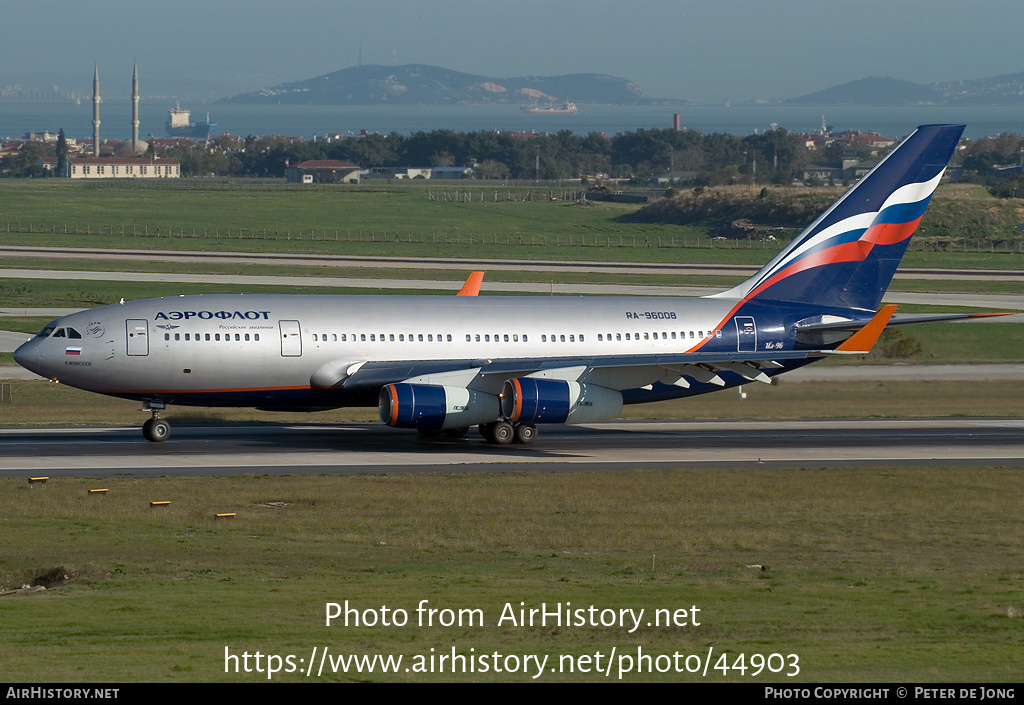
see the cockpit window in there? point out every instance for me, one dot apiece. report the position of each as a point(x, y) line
point(59, 333)
point(45, 332)
point(72, 333)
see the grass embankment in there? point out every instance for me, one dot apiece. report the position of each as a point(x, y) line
point(958, 217)
point(872, 575)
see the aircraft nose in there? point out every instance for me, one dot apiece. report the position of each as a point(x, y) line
point(27, 355)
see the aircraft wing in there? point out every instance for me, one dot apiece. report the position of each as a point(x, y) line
point(612, 371)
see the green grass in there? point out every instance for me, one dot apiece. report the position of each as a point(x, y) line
point(875, 575)
point(511, 229)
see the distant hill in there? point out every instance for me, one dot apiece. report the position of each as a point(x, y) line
point(1008, 88)
point(418, 84)
point(872, 91)
point(1005, 89)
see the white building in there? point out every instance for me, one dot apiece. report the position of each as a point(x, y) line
point(123, 168)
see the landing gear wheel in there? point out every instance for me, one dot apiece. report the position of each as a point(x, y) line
point(526, 433)
point(503, 433)
point(156, 430)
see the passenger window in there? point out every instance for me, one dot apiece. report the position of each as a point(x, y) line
point(256, 336)
point(247, 336)
point(561, 338)
point(420, 337)
point(216, 336)
point(167, 336)
point(506, 337)
point(449, 337)
point(543, 339)
point(524, 339)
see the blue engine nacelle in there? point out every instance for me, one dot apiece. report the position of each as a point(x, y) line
point(538, 400)
point(435, 407)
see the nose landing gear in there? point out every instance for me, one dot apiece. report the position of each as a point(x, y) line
point(155, 430)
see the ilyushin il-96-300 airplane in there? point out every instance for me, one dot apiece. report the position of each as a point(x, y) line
point(441, 364)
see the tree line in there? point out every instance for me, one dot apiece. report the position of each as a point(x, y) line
point(689, 157)
point(710, 159)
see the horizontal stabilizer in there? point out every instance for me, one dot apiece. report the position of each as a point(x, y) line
point(863, 340)
point(855, 325)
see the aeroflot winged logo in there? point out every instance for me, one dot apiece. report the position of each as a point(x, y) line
point(213, 315)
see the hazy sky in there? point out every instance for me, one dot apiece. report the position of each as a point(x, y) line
point(710, 50)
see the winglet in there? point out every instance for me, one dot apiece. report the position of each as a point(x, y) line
point(863, 340)
point(472, 285)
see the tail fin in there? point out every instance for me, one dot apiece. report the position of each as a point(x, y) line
point(847, 257)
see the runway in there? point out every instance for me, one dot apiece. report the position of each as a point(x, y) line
point(283, 449)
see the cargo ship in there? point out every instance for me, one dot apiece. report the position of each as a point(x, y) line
point(534, 109)
point(179, 125)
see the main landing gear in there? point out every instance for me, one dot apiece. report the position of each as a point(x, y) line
point(155, 429)
point(503, 432)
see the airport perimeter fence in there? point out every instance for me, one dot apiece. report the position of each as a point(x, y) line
point(971, 245)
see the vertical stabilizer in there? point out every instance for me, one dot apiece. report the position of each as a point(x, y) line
point(847, 257)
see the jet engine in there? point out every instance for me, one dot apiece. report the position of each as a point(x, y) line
point(537, 400)
point(433, 407)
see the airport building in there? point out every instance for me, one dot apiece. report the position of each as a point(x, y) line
point(123, 168)
point(323, 171)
